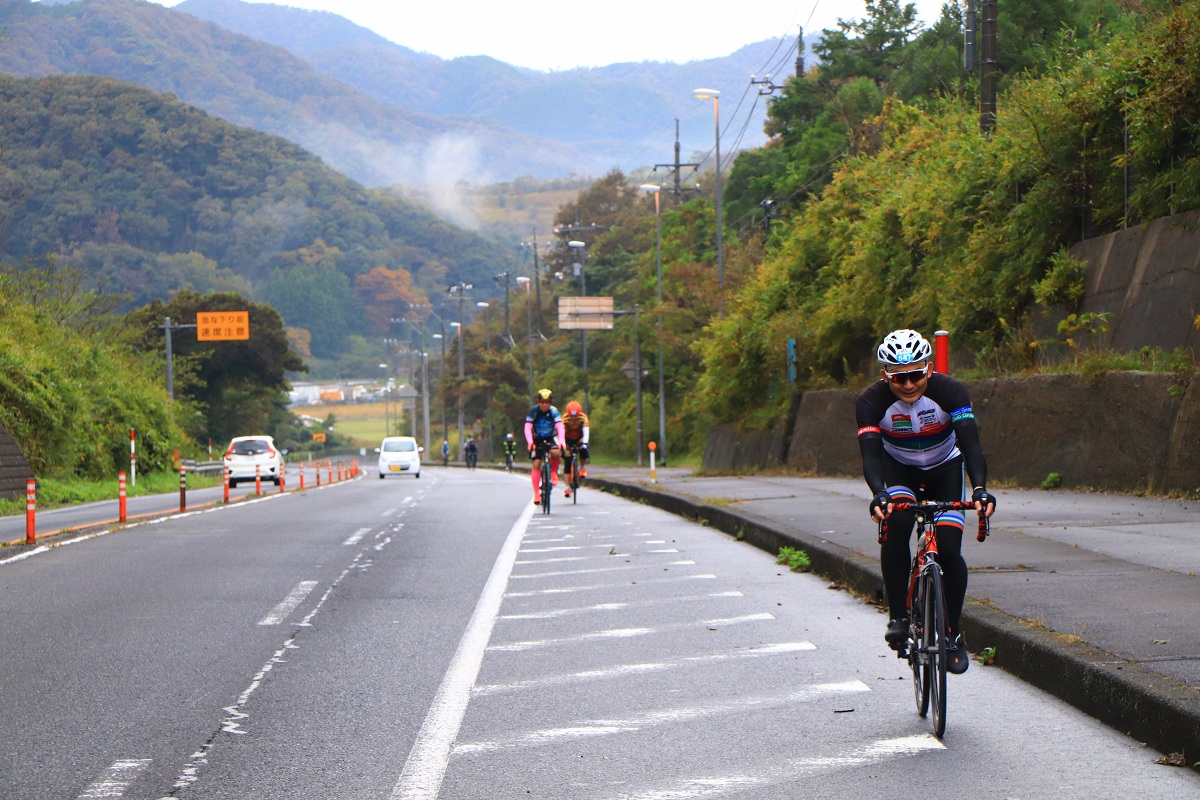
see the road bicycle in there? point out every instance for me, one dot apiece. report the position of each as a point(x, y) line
point(472, 459)
point(928, 635)
point(508, 461)
point(572, 475)
point(547, 484)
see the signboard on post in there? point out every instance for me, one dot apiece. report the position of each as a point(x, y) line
point(585, 313)
point(222, 325)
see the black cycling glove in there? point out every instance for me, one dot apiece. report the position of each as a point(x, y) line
point(982, 495)
point(880, 500)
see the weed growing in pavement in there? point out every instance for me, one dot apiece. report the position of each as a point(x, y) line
point(796, 560)
point(1052, 481)
point(987, 656)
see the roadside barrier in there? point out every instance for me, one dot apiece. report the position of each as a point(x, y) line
point(30, 511)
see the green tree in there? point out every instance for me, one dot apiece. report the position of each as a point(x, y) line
point(237, 387)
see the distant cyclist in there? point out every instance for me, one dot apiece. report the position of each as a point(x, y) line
point(510, 450)
point(917, 432)
point(472, 452)
point(544, 430)
point(577, 431)
point(445, 452)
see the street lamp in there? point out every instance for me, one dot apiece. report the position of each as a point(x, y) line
point(715, 96)
point(582, 248)
point(442, 380)
point(662, 394)
point(487, 333)
point(522, 280)
point(386, 421)
point(459, 326)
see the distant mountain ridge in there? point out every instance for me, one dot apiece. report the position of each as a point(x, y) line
point(608, 112)
point(253, 83)
point(380, 112)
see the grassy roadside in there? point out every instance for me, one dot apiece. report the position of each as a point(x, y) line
point(56, 493)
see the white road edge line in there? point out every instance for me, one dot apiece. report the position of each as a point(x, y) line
point(289, 603)
point(421, 778)
point(116, 779)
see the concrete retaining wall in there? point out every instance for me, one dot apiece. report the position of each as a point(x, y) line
point(1127, 431)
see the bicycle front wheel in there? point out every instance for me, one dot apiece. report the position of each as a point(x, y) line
point(917, 658)
point(547, 486)
point(935, 647)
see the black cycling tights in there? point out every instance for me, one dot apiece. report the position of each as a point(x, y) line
point(944, 482)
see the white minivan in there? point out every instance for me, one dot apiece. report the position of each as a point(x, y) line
point(399, 455)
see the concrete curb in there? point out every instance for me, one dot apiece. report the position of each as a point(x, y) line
point(1147, 706)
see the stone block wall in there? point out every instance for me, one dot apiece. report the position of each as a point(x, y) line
point(1125, 431)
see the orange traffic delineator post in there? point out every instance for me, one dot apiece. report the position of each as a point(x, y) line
point(226, 482)
point(302, 476)
point(258, 480)
point(30, 511)
point(121, 516)
point(652, 447)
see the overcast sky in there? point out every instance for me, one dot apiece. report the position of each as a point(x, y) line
point(546, 35)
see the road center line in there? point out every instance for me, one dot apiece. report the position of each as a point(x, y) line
point(356, 537)
point(116, 779)
point(421, 778)
point(289, 603)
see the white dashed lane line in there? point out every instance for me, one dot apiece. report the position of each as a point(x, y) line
point(289, 603)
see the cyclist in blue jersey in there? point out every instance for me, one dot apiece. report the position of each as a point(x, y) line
point(917, 432)
point(544, 431)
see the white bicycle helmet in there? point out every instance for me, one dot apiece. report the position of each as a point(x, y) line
point(903, 347)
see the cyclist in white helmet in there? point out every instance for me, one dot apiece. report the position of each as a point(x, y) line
point(917, 432)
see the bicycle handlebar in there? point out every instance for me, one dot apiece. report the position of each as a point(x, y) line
point(932, 506)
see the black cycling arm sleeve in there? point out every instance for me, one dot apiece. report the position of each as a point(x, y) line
point(871, 447)
point(968, 442)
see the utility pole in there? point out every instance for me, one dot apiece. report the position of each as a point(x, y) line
point(675, 168)
point(987, 66)
point(460, 289)
point(505, 276)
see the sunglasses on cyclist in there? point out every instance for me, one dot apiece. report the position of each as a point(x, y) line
point(901, 378)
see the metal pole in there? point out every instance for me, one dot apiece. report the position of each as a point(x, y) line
point(662, 392)
point(425, 394)
point(637, 363)
point(170, 361)
point(720, 232)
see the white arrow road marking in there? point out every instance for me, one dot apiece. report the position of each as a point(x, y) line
point(289, 603)
point(668, 716)
point(789, 771)
point(625, 670)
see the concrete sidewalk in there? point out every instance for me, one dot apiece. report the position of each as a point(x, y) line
point(1093, 598)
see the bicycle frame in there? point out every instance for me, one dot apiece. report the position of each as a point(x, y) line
point(925, 649)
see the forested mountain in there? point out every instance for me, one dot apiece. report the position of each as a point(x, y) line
point(262, 86)
point(153, 196)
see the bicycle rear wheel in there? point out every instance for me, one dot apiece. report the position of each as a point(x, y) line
point(547, 487)
point(935, 648)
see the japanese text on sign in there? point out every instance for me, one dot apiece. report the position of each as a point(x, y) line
point(217, 325)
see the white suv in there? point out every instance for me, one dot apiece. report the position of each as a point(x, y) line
point(399, 455)
point(247, 452)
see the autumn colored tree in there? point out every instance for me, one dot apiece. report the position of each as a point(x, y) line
point(386, 293)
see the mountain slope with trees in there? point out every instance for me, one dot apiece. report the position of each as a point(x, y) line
point(255, 84)
point(152, 196)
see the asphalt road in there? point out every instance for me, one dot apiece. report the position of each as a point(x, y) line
point(438, 639)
